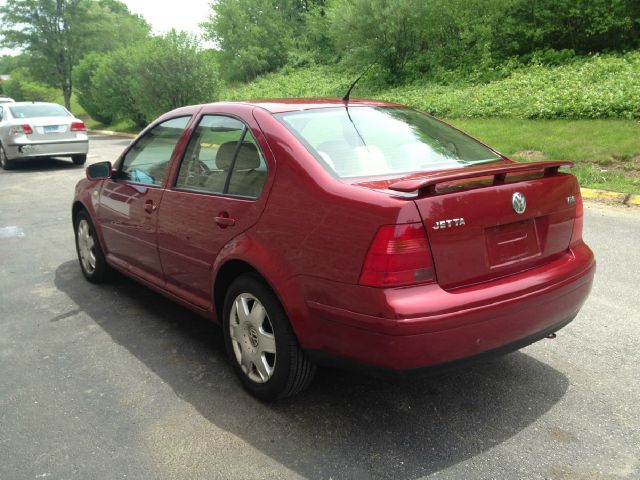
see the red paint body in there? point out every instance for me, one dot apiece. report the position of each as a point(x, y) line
point(308, 235)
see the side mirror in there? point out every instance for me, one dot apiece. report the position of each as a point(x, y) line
point(99, 171)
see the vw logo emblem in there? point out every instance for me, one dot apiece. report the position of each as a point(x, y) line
point(519, 203)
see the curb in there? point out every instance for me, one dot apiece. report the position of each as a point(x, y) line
point(113, 134)
point(610, 197)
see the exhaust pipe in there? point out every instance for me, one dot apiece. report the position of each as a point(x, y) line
point(551, 336)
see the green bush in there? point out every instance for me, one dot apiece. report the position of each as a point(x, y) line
point(22, 88)
point(88, 96)
point(599, 87)
point(140, 82)
point(606, 86)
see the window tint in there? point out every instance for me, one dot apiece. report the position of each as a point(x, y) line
point(249, 170)
point(39, 110)
point(214, 150)
point(148, 160)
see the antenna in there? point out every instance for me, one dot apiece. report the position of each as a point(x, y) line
point(345, 99)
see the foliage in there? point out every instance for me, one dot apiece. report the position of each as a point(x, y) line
point(21, 87)
point(140, 82)
point(172, 71)
point(58, 33)
point(600, 87)
point(584, 26)
point(260, 36)
point(387, 32)
point(604, 86)
point(88, 96)
point(252, 35)
point(410, 39)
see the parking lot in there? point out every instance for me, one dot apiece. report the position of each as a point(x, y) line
point(115, 381)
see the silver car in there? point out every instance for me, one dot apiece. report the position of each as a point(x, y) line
point(38, 129)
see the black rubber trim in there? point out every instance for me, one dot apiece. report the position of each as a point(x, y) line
point(326, 359)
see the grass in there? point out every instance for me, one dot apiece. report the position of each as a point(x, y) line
point(606, 152)
point(123, 126)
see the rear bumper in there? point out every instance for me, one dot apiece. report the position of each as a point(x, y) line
point(46, 149)
point(426, 326)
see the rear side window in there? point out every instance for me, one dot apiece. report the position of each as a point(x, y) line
point(39, 110)
point(148, 160)
point(223, 158)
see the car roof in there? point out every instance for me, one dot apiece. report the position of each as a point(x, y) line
point(280, 105)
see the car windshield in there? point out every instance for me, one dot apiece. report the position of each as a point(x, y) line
point(373, 141)
point(38, 110)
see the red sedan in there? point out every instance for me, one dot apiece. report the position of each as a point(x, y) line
point(318, 231)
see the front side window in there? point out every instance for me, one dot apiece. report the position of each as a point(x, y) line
point(372, 141)
point(148, 160)
point(223, 158)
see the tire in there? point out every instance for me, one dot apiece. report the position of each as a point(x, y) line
point(79, 159)
point(263, 349)
point(5, 163)
point(90, 255)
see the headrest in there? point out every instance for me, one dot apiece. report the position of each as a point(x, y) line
point(248, 156)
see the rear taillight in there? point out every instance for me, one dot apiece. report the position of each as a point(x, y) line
point(78, 127)
point(398, 256)
point(576, 234)
point(21, 129)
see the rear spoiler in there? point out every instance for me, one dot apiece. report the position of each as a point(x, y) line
point(427, 183)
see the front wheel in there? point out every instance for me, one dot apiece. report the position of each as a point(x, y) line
point(260, 342)
point(92, 262)
point(79, 159)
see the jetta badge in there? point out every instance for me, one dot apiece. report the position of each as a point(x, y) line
point(519, 203)
point(454, 222)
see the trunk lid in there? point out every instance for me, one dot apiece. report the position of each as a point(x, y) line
point(474, 230)
point(51, 128)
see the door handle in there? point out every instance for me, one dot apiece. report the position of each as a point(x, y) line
point(224, 221)
point(149, 206)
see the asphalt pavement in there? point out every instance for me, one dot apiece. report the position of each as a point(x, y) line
point(115, 381)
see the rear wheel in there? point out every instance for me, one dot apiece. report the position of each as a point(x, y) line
point(79, 159)
point(5, 163)
point(92, 262)
point(260, 342)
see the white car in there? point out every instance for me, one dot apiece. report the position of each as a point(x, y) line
point(38, 129)
point(4, 99)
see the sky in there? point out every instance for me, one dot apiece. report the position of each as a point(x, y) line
point(164, 15)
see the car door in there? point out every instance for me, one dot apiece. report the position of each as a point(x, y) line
point(217, 194)
point(128, 211)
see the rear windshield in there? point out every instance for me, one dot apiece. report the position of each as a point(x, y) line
point(36, 110)
point(372, 141)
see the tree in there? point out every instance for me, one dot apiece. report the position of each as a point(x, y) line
point(58, 33)
point(172, 71)
point(253, 36)
point(21, 87)
point(388, 32)
point(142, 81)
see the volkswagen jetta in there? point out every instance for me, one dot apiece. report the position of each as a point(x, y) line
point(320, 231)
